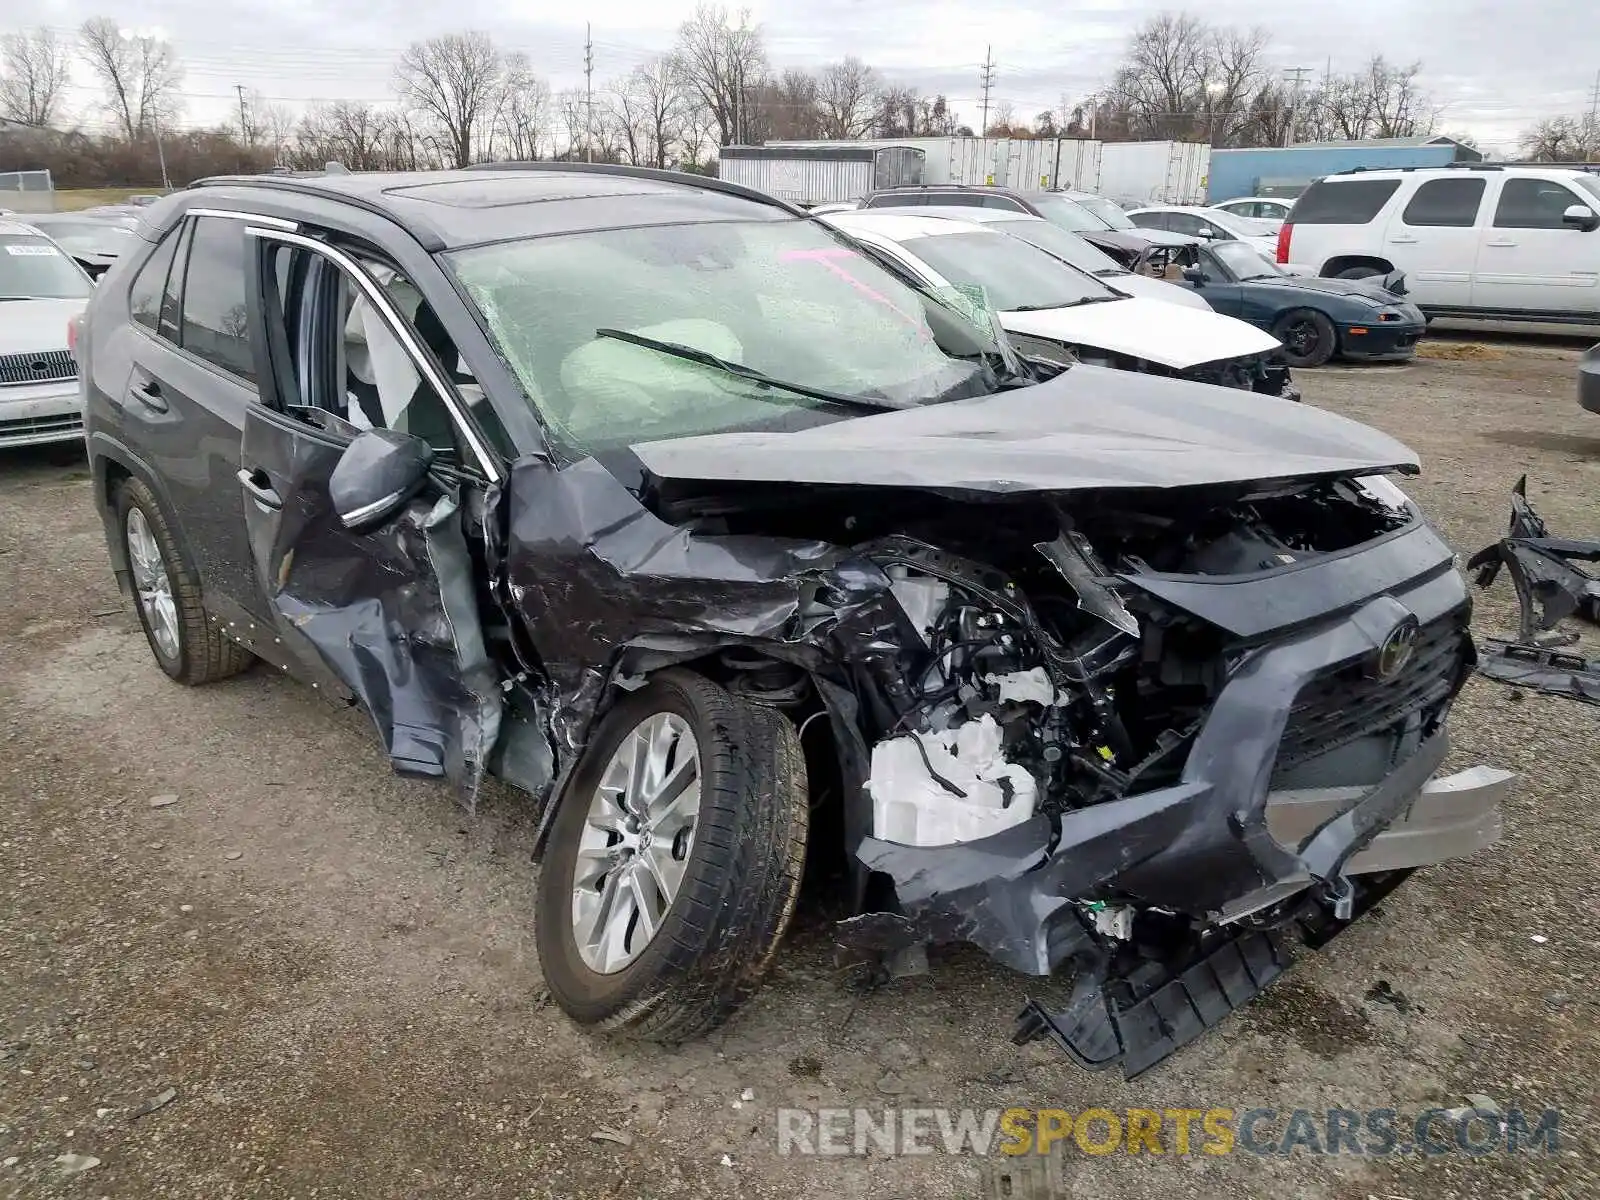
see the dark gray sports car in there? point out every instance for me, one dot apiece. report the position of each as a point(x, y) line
point(1314, 318)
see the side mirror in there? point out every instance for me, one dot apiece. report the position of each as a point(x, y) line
point(1196, 275)
point(1581, 216)
point(376, 474)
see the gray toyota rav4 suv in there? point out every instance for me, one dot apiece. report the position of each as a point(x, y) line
point(661, 502)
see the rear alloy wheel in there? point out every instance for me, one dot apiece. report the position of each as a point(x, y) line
point(184, 640)
point(674, 864)
point(1309, 338)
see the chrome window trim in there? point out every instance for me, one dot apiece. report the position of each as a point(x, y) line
point(401, 328)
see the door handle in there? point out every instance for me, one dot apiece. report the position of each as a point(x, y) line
point(148, 393)
point(260, 491)
point(1501, 245)
point(1402, 240)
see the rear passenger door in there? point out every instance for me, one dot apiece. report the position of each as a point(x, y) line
point(192, 381)
point(1532, 260)
point(1434, 238)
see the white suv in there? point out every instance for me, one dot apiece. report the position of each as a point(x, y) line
point(1501, 242)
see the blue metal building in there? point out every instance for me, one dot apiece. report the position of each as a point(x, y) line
point(1288, 170)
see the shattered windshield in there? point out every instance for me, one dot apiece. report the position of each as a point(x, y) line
point(815, 330)
point(1015, 274)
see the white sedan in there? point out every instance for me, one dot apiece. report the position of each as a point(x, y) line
point(1050, 308)
point(1209, 224)
point(41, 292)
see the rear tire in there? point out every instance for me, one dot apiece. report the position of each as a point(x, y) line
point(166, 594)
point(1309, 338)
point(737, 880)
point(1358, 273)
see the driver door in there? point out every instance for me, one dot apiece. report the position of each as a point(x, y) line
point(1221, 290)
point(385, 616)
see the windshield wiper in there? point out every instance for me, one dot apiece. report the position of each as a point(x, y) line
point(707, 359)
point(1067, 303)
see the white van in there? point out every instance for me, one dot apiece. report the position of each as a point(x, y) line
point(1508, 243)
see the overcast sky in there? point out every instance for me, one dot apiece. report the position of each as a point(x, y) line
point(1494, 65)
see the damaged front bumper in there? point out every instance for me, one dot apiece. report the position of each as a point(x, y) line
point(1309, 789)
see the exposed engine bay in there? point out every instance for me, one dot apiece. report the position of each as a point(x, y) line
point(1041, 690)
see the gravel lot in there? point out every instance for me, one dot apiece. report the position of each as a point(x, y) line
point(334, 968)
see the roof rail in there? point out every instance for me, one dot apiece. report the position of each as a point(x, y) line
point(1454, 166)
point(709, 183)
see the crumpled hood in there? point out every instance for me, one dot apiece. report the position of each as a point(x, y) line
point(1172, 335)
point(30, 325)
point(1370, 289)
point(1088, 428)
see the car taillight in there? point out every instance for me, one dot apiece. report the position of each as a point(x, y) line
point(1285, 235)
point(74, 327)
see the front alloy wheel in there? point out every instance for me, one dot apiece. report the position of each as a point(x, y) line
point(635, 843)
point(674, 860)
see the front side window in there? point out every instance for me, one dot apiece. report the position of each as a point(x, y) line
point(1534, 204)
point(215, 323)
point(1151, 220)
point(35, 268)
point(582, 319)
point(1445, 202)
point(1015, 274)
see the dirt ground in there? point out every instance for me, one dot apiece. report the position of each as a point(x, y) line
point(333, 968)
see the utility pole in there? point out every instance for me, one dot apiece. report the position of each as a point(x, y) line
point(588, 87)
point(1299, 74)
point(1594, 100)
point(988, 86)
point(244, 128)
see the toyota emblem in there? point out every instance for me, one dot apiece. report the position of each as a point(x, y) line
point(1397, 648)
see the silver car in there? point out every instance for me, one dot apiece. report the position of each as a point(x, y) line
point(42, 292)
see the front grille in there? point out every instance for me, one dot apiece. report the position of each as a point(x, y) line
point(27, 427)
point(1348, 703)
point(41, 366)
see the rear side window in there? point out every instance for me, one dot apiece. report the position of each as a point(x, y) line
point(1452, 202)
point(1002, 202)
point(215, 316)
point(966, 199)
point(1534, 204)
point(896, 199)
point(1348, 202)
point(144, 297)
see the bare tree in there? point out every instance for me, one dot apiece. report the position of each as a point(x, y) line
point(721, 64)
point(452, 82)
point(34, 70)
point(522, 116)
point(847, 92)
point(1181, 78)
point(787, 108)
point(1563, 139)
point(573, 110)
point(1381, 100)
point(358, 135)
point(659, 87)
point(140, 75)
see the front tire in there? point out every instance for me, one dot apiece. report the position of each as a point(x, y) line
point(166, 595)
point(1309, 338)
point(674, 864)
